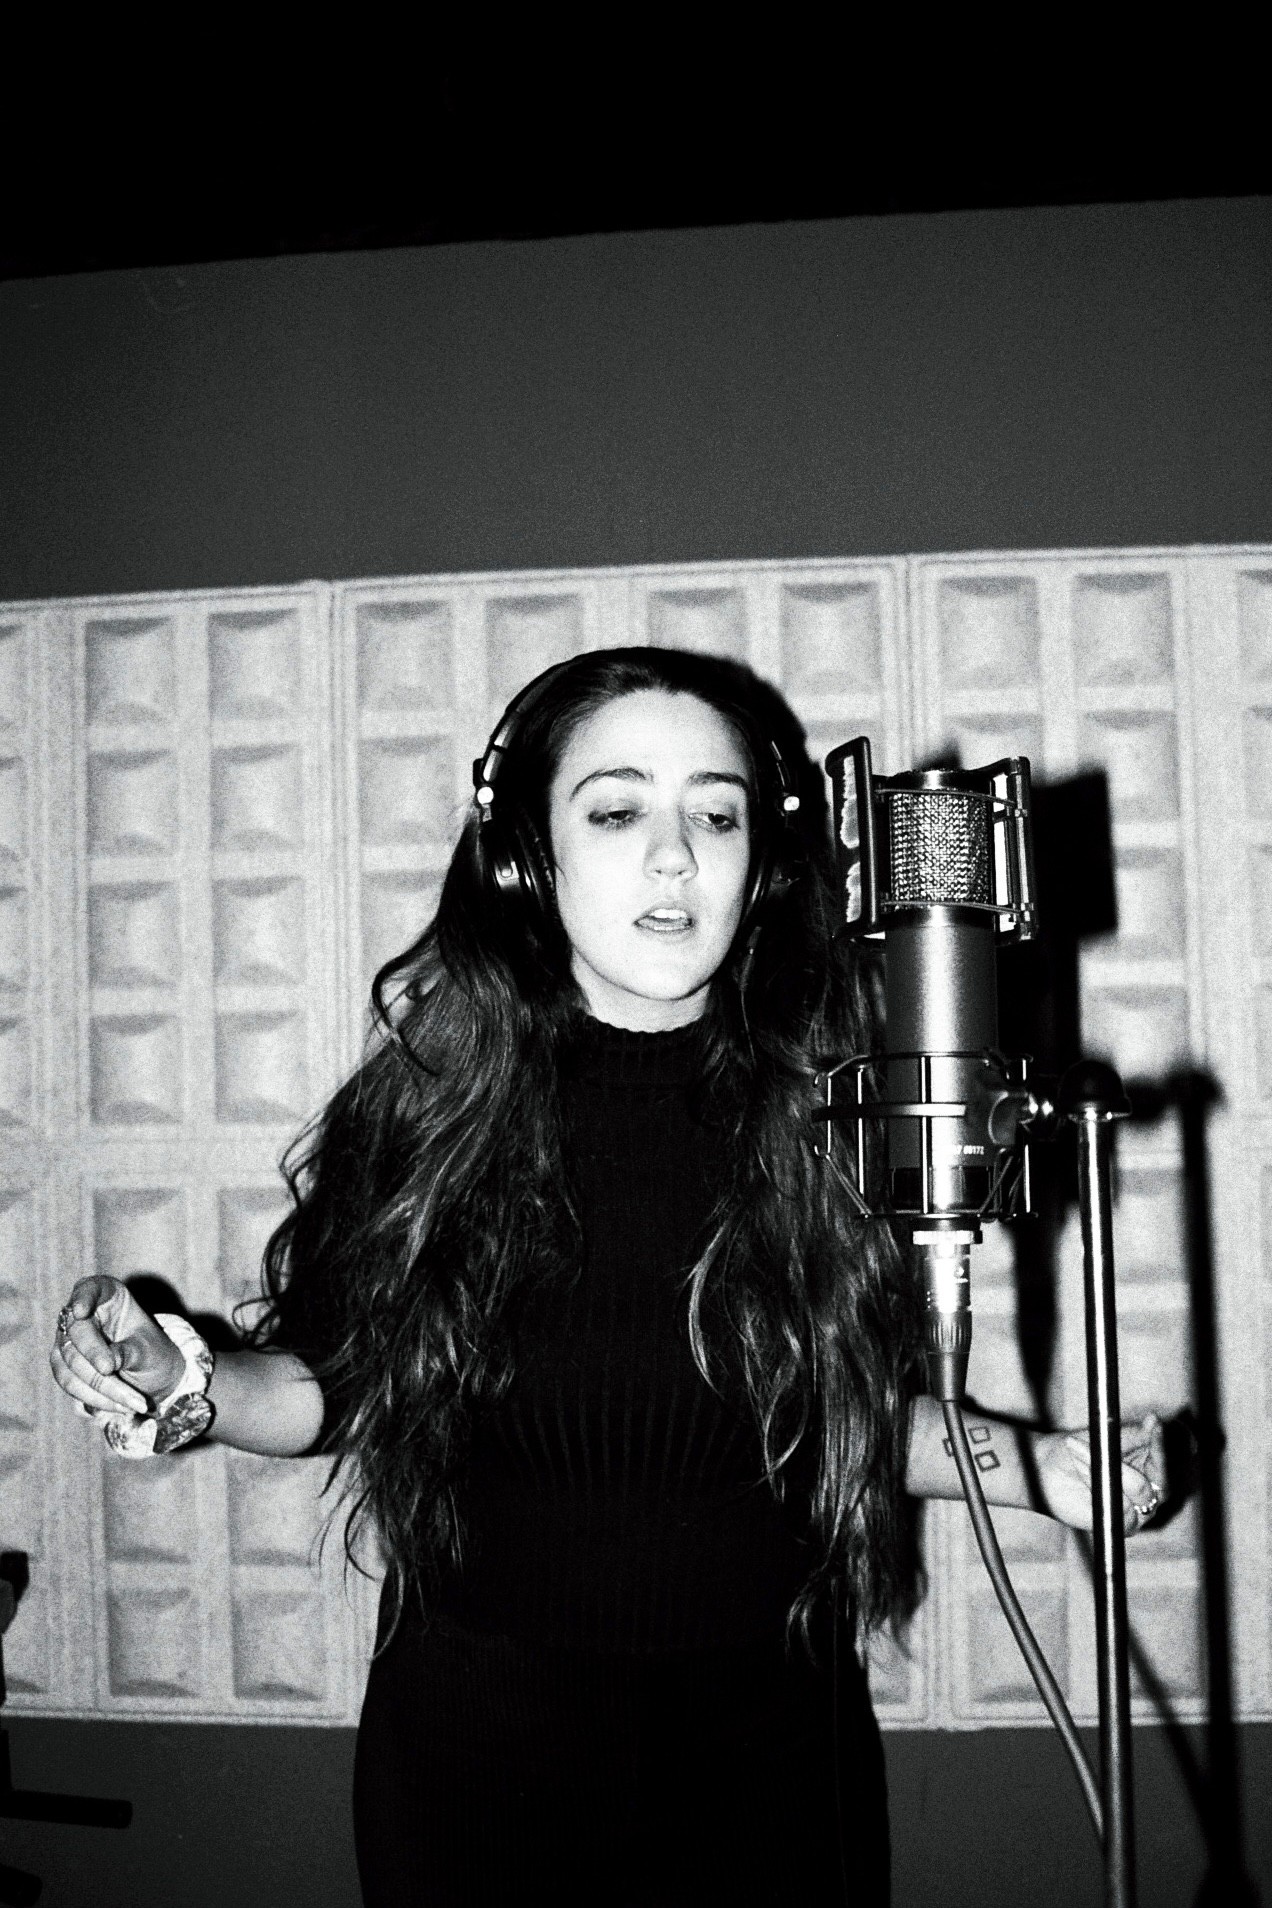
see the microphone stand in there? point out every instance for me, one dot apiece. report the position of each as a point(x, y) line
point(1090, 1098)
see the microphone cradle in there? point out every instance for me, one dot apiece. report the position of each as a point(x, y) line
point(1002, 1097)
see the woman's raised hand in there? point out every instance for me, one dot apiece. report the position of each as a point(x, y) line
point(109, 1354)
point(1064, 1473)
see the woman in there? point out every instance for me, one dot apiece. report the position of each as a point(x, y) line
point(625, 1388)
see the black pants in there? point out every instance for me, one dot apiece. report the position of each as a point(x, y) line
point(491, 1773)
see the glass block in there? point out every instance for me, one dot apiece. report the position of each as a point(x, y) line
point(396, 908)
point(13, 677)
point(832, 639)
point(1122, 629)
point(1150, 904)
point(140, 1232)
point(1166, 1629)
point(981, 740)
point(1257, 741)
point(1138, 753)
point(260, 1068)
point(255, 799)
point(893, 1675)
point(19, 1366)
point(996, 1671)
point(258, 931)
point(154, 1642)
point(14, 945)
point(22, 1494)
point(1148, 1224)
point(23, 1373)
point(1254, 614)
point(135, 1070)
point(404, 656)
point(1143, 1030)
point(711, 620)
point(1263, 1040)
point(246, 1217)
point(988, 632)
point(131, 674)
point(13, 810)
point(134, 935)
point(1265, 1221)
point(1024, 1536)
point(15, 1072)
point(274, 1508)
point(1260, 890)
point(147, 1512)
point(253, 667)
point(279, 1646)
point(132, 803)
point(407, 792)
point(27, 1668)
point(17, 1241)
point(995, 1370)
point(1153, 1356)
point(527, 634)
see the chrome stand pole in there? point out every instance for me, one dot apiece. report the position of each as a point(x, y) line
point(1091, 1097)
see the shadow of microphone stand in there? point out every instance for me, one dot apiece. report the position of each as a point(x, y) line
point(1041, 1015)
point(17, 1888)
point(1195, 1465)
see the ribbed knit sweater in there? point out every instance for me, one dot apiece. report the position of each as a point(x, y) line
point(613, 1500)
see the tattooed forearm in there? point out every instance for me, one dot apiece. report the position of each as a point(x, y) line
point(982, 1435)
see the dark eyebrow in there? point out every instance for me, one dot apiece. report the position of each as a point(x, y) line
point(699, 779)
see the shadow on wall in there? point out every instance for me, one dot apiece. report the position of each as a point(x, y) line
point(1040, 1014)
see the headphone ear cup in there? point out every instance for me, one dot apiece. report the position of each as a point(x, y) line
point(517, 865)
point(775, 874)
point(758, 893)
point(499, 860)
point(538, 883)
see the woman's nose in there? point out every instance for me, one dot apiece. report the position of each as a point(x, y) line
point(670, 850)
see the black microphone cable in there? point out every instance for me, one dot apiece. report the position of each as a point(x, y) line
point(1039, 1669)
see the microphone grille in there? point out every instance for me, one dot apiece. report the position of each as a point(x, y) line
point(939, 843)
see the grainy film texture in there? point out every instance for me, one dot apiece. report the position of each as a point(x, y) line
point(220, 813)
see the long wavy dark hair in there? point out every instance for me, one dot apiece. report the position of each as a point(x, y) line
point(429, 1193)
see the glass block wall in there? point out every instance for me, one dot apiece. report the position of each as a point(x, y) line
point(218, 814)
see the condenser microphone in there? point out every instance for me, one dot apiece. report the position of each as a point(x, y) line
point(939, 863)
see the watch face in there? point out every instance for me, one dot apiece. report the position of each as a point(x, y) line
point(189, 1418)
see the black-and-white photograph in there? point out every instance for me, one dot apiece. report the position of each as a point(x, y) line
point(636, 1047)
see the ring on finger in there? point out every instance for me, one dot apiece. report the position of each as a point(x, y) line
point(65, 1319)
point(1145, 1511)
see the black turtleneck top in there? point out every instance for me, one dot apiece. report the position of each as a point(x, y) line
point(613, 1500)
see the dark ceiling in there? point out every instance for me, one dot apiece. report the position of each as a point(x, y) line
point(114, 224)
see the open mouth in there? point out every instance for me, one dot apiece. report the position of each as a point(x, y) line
point(666, 921)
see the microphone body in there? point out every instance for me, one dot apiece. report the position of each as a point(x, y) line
point(939, 863)
point(942, 1016)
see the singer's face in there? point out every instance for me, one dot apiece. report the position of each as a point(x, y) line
point(650, 822)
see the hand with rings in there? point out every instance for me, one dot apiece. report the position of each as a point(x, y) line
point(1064, 1465)
point(108, 1353)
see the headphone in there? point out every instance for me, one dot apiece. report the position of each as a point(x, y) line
point(520, 867)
